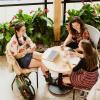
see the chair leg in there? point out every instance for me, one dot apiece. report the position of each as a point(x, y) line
point(73, 94)
point(85, 96)
point(13, 83)
point(37, 78)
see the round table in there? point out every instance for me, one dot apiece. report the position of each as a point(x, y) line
point(62, 64)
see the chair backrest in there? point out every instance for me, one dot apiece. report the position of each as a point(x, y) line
point(94, 34)
point(12, 63)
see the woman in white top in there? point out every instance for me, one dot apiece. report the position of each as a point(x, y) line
point(23, 49)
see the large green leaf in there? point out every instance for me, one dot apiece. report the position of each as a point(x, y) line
point(49, 22)
point(8, 36)
point(1, 36)
point(36, 14)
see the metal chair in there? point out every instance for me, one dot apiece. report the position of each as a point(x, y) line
point(14, 66)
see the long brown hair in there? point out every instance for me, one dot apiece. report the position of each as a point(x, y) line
point(90, 54)
point(78, 20)
point(17, 27)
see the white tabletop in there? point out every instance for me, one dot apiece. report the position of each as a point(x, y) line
point(60, 64)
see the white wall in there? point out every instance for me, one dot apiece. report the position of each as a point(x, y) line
point(6, 13)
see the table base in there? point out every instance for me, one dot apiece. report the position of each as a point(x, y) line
point(58, 90)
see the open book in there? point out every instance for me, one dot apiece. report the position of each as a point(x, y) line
point(50, 54)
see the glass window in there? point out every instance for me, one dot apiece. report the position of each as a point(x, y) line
point(6, 16)
point(51, 12)
point(19, 1)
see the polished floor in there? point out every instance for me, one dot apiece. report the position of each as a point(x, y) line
point(42, 92)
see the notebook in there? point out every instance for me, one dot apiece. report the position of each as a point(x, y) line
point(50, 54)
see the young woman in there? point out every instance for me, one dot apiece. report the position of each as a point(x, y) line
point(23, 49)
point(77, 32)
point(85, 74)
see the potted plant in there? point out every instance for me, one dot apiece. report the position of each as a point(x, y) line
point(6, 32)
point(88, 13)
point(42, 27)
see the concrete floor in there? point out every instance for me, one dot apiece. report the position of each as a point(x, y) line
point(42, 92)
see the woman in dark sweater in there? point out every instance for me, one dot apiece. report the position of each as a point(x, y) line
point(85, 74)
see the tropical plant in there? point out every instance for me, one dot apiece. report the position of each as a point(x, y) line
point(23, 18)
point(42, 27)
point(88, 13)
point(64, 32)
point(39, 28)
point(97, 7)
point(6, 33)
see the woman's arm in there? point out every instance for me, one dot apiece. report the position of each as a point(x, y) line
point(80, 65)
point(68, 39)
point(79, 54)
point(23, 52)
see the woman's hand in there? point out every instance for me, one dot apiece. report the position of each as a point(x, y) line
point(62, 47)
point(30, 50)
point(21, 50)
point(71, 53)
point(79, 54)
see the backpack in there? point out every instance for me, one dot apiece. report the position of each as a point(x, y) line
point(25, 87)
